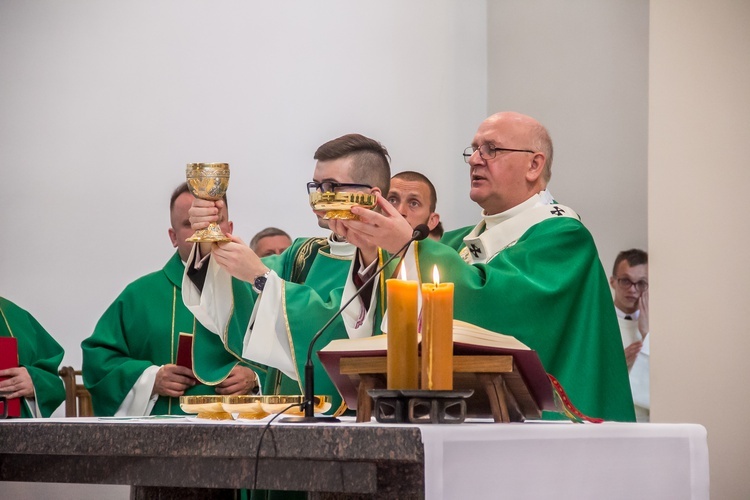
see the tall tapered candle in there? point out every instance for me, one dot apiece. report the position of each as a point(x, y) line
point(402, 362)
point(437, 334)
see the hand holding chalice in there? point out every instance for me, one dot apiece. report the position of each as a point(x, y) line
point(208, 181)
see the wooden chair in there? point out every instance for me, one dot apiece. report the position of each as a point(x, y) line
point(77, 398)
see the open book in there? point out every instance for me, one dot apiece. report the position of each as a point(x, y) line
point(468, 340)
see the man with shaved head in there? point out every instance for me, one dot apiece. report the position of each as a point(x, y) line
point(529, 268)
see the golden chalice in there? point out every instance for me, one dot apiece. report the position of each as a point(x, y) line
point(208, 181)
point(339, 205)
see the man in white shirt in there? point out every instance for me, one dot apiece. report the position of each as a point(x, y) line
point(629, 281)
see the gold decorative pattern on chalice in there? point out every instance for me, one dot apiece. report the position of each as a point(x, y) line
point(339, 205)
point(208, 181)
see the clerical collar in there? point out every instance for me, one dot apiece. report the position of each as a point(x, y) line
point(340, 248)
point(633, 315)
point(541, 198)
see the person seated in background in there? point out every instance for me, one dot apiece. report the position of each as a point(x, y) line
point(415, 198)
point(130, 361)
point(529, 268)
point(629, 281)
point(36, 378)
point(437, 233)
point(270, 241)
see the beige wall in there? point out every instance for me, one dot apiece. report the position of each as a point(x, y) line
point(699, 231)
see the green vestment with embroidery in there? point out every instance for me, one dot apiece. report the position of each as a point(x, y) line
point(141, 329)
point(314, 280)
point(548, 290)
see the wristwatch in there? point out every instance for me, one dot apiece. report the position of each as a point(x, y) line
point(260, 282)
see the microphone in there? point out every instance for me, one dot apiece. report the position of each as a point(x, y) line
point(420, 232)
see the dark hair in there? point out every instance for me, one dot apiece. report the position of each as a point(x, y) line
point(410, 175)
point(371, 163)
point(265, 233)
point(183, 188)
point(634, 256)
point(438, 231)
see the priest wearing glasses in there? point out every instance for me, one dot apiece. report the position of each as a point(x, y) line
point(529, 268)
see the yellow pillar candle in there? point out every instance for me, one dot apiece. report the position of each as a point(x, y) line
point(402, 360)
point(437, 335)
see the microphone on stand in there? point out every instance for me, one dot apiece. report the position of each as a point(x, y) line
point(420, 232)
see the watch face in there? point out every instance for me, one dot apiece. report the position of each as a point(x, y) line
point(259, 283)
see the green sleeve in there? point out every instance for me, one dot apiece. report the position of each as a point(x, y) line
point(110, 367)
point(40, 354)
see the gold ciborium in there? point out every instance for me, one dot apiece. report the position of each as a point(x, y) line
point(339, 205)
point(208, 407)
point(208, 181)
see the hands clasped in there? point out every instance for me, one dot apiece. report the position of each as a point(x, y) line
point(19, 383)
point(174, 380)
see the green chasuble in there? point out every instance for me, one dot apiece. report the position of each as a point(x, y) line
point(38, 352)
point(141, 329)
point(549, 291)
point(313, 285)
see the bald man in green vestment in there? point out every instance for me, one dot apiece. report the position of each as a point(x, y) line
point(129, 362)
point(35, 379)
point(528, 269)
point(292, 294)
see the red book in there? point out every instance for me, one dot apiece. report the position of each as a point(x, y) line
point(185, 350)
point(9, 359)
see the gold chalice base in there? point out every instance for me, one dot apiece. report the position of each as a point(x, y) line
point(247, 407)
point(339, 205)
point(212, 234)
point(206, 407)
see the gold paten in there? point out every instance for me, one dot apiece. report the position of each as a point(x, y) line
point(208, 407)
point(208, 181)
point(256, 407)
point(248, 407)
point(339, 205)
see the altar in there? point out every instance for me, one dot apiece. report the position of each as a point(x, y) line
point(362, 460)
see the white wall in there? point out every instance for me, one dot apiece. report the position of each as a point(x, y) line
point(102, 104)
point(699, 232)
point(581, 68)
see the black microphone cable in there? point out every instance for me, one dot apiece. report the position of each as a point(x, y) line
point(260, 441)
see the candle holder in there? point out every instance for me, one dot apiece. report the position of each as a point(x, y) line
point(419, 406)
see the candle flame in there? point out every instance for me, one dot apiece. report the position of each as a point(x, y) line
point(402, 273)
point(435, 275)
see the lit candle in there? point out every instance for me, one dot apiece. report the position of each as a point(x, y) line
point(437, 334)
point(402, 360)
